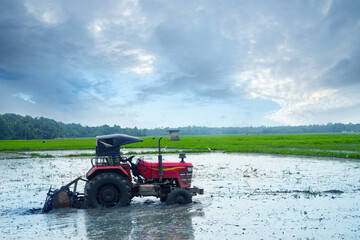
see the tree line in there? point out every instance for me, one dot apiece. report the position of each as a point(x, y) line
point(323, 128)
point(13, 126)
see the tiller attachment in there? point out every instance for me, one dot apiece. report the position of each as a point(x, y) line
point(63, 197)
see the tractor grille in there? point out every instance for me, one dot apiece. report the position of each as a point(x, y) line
point(183, 177)
point(189, 171)
point(188, 174)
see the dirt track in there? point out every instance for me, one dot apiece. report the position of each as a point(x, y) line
point(261, 197)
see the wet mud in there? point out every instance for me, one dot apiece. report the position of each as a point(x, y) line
point(249, 196)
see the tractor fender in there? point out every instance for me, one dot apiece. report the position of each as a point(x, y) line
point(115, 169)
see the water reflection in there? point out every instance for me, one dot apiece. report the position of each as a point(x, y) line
point(153, 221)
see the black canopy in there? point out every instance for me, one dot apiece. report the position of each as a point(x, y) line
point(109, 145)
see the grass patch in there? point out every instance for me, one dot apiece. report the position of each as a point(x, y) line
point(327, 145)
point(52, 144)
point(80, 155)
point(39, 155)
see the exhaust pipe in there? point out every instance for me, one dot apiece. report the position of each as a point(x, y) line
point(160, 162)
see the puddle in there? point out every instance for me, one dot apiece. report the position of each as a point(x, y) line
point(255, 196)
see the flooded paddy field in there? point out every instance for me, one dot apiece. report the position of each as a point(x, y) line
point(246, 196)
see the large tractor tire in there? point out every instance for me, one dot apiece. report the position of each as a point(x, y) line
point(108, 190)
point(179, 196)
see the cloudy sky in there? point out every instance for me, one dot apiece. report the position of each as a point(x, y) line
point(179, 63)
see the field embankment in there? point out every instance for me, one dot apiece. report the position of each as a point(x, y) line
point(330, 145)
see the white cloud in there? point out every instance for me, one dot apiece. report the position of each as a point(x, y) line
point(97, 27)
point(48, 12)
point(145, 63)
point(300, 102)
point(24, 96)
point(326, 8)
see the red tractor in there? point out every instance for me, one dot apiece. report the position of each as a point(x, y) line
point(113, 180)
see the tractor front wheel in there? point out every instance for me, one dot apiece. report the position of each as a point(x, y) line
point(164, 198)
point(108, 190)
point(179, 196)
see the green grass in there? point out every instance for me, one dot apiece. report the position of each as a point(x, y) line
point(329, 145)
point(53, 144)
point(39, 155)
point(80, 155)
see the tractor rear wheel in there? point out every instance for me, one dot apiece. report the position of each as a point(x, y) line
point(179, 196)
point(108, 190)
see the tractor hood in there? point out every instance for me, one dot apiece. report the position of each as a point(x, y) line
point(109, 145)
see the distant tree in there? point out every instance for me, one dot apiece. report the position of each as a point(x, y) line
point(14, 126)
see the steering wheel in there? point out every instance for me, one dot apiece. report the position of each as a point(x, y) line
point(130, 158)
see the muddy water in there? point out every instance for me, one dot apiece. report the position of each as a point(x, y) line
point(250, 196)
